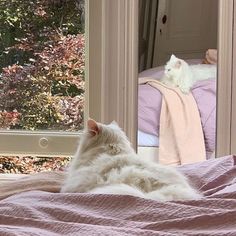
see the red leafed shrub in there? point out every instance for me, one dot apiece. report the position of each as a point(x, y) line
point(8, 119)
point(49, 93)
point(42, 78)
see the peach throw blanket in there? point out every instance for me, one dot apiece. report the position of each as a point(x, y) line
point(181, 135)
point(50, 181)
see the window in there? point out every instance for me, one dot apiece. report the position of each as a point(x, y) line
point(111, 66)
point(42, 76)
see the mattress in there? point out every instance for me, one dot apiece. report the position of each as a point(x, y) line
point(147, 140)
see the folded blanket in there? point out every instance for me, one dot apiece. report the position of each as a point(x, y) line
point(181, 135)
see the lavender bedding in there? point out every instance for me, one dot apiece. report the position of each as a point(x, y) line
point(150, 99)
point(45, 213)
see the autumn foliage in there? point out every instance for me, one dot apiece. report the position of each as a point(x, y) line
point(42, 64)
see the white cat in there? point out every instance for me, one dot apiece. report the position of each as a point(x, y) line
point(178, 73)
point(106, 163)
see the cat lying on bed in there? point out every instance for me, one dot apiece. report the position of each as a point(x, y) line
point(106, 163)
point(178, 73)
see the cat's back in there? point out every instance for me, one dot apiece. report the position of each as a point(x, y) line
point(203, 67)
point(105, 163)
point(204, 71)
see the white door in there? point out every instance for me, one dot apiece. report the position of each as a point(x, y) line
point(186, 28)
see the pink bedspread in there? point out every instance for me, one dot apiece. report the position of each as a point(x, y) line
point(45, 213)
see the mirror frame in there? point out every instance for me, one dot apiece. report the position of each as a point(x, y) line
point(225, 121)
point(118, 20)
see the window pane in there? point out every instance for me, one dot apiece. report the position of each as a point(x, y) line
point(42, 64)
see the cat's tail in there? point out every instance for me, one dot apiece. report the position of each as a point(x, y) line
point(119, 189)
point(174, 193)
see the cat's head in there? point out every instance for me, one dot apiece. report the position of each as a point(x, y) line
point(173, 67)
point(109, 139)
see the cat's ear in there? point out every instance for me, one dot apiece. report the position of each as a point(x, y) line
point(173, 57)
point(114, 123)
point(178, 64)
point(93, 127)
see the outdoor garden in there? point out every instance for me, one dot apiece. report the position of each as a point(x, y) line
point(42, 56)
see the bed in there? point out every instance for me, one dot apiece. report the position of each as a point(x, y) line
point(33, 206)
point(149, 107)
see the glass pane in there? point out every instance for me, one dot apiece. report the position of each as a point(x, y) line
point(42, 60)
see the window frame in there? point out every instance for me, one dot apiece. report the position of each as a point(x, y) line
point(225, 121)
point(111, 78)
point(107, 74)
point(113, 63)
point(233, 116)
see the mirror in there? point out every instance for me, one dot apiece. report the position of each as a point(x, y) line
point(174, 126)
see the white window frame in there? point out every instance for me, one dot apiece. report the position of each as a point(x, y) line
point(226, 88)
point(111, 81)
point(113, 63)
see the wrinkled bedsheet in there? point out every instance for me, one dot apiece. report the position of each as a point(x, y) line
point(150, 100)
point(40, 212)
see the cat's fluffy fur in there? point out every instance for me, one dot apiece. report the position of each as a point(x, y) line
point(106, 163)
point(178, 73)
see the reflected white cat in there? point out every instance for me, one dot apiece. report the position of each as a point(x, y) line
point(178, 73)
